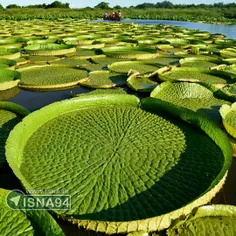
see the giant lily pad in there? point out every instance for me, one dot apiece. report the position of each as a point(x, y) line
point(130, 52)
point(8, 79)
point(228, 53)
point(228, 114)
point(86, 54)
point(10, 115)
point(71, 62)
point(141, 67)
point(25, 222)
point(92, 67)
point(103, 79)
point(227, 92)
point(6, 63)
point(106, 60)
point(101, 91)
point(165, 60)
point(200, 62)
point(9, 53)
point(42, 59)
point(50, 77)
point(125, 168)
point(49, 49)
point(193, 96)
point(207, 220)
point(198, 75)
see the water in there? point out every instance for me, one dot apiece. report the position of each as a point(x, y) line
point(228, 30)
point(36, 100)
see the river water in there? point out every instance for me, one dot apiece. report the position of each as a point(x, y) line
point(36, 100)
point(227, 30)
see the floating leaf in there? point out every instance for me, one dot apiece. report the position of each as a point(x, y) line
point(110, 155)
point(207, 220)
point(49, 49)
point(193, 96)
point(50, 77)
point(103, 79)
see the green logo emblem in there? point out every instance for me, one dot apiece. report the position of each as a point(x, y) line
point(17, 200)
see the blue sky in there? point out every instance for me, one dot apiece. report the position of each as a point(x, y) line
point(92, 3)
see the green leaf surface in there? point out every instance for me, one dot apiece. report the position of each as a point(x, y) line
point(10, 115)
point(8, 75)
point(141, 83)
point(193, 96)
point(198, 75)
point(5, 63)
point(130, 52)
point(50, 77)
point(49, 49)
point(103, 79)
point(125, 66)
point(228, 114)
point(71, 62)
point(102, 91)
point(211, 220)
point(118, 162)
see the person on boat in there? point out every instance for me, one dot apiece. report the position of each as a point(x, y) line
point(119, 14)
point(117, 18)
point(105, 15)
point(113, 16)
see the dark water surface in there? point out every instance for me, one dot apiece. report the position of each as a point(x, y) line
point(35, 100)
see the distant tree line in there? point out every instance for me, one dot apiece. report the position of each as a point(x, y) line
point(105, 5)
point(168, 4)
point(55, 4)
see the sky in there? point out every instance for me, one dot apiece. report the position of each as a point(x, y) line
point(92, 3)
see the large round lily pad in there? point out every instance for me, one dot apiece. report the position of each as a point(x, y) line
point(9, 53)
point(130, 52)
point(25, 222)
point(8, 79)
point(193, 96)
point(6, 63)
point(50, 49)
point(10, 115)
point(198, 75)
point(125, 168)
point(101, 91)
point(228, 114)
point(50, 77)
point(207, 220)
point(141, 67)
point(200, 62)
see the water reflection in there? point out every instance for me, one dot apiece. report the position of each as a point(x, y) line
point(35, 100)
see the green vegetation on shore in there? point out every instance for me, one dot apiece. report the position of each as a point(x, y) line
point(212, 13)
